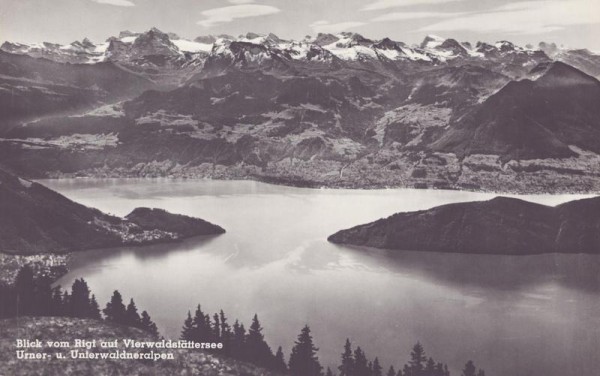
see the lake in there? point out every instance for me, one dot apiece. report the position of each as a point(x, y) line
point(512, 315)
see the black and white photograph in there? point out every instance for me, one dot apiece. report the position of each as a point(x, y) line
point(300, 187)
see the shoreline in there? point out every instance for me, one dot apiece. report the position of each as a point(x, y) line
point(282, 182)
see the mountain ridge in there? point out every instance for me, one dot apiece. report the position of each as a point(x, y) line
point(498, 226)
point(336, 110)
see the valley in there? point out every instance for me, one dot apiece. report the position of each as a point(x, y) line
point(340, 111)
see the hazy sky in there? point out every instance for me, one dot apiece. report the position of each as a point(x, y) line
point(574, 23)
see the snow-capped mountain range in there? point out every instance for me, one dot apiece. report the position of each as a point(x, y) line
point(331, 110)
point(345, 46)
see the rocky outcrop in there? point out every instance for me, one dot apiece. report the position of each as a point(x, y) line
point(498, 226)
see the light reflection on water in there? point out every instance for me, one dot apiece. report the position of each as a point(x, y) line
point(513, 315)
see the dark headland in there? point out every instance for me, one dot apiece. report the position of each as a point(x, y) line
point(36, 220)
point(498, 226)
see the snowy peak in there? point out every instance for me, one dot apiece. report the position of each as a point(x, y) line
point(85, 45)
point(154, 42)
point(324, 39)
point(431, 42)
point(157, 48)
point(446, 49)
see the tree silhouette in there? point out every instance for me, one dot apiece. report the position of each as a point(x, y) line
point(257, 349)
point(303, 359)
point(216, 332)
point(187, 331)
point(279, 364)
point(226, 334)
point(430, 368)
point(391, 371)
point(132, 317)
point(147, 324)
point(471, 370)
point(80, 299)
point(115, 309)
point(36, 296)
point(347, 366)
point(441, 370)
point(329, 373)
point(94, 309)
point(201, 331)
point(416, 365)
point(238, 345)
point(377, 369)
point(361, 367)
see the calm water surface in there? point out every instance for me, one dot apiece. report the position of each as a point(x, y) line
point(526, 315)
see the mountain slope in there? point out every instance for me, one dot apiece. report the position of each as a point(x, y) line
point(35, 219)
point(498, 226)
point(532, 119)
point(31, 87)
point(338, 110)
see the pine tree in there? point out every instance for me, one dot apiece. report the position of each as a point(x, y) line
point(469, 369)
point(148, 325)
point(430, 367)
point(279, 361)
point(377, 369)
point(94, 309)
point(439, 370)
point(238, 345)
point(115, 309)
point(187, 332)
point(329, 373)
point(226, 334)
point(347, 366)
point(303, 359)
point(391, 371)
point(132, 317)
point(201, 326)
point(417, 359)
point(80, 299)
point(216, 329)
point(361, 367)
point(257, 350)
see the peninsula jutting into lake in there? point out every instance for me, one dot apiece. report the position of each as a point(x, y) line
point(502, 225)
